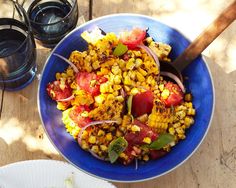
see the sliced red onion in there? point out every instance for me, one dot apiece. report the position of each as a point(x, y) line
point(151, 53)
point(66, 99)
point(98, 157)
point(67, 61)
point(175, 78)
point(91, 124)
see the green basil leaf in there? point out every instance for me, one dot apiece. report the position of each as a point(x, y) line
point(120, 49)
point(116, 147)
point(162, 141)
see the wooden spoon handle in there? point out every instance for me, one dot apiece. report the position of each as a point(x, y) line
point(206, 37)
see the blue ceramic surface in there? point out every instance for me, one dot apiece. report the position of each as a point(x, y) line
point(199, 83)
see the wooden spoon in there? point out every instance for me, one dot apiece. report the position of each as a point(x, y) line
point(202, 41)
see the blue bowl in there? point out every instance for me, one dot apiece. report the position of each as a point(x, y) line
point(199, 83)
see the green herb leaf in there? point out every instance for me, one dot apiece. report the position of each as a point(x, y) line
point(162, 141)
point(116, 147)
point(120, 49)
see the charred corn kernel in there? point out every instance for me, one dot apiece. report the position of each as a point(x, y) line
point(92, 139)
point(85, 135)
point(143, 118)
point(149, 79)
point(138, 62)
point(104, 71)
point(140, 77)
point(179, 130)
point(117, 87)
point(121, 63)
point(135, 128)
point(176, 125)
point(134, 91)
point(70, 72)
point(188, 97)
point(161, 87)
point(172, 130)
point(118, 133)
point(123, 156)
point(104, 88)
point(143, 72)
point(130, 64)
point(93, 83)
point(101, 132)
point(103, 147)
point(181, 136)
point(127, 81)
point(145, 157)
point(120, 98)
point(181, 114)
point(132, 75)
point(191, 112)
point(95, 149)
point(84, 114)
point(165, 94)
point(188, 121)
point(110, 97)
point(96, 65)
point(149, 40)
point(99, 99)
point(115, 70)
point(108, 136)
point(58, 76)
point(147, 140)
point(117, 79)
point(127, 89)
point(61, 106)
point(84, 145)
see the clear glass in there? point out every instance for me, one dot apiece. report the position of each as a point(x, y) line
point(51, 20)
point(17, 48)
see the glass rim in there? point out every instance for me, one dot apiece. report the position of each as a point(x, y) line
point(75, 4)
point(25, 40)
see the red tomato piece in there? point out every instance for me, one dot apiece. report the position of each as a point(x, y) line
point(57, 92)
point(156, 154)
point(85, 81)
point(142, 103)
point(176, 95)
point(133, 38)
point(75, 115)
point(137, 137)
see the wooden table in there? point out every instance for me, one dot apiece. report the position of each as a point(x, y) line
point(213, 165)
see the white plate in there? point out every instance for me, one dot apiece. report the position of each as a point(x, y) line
point(46, 174)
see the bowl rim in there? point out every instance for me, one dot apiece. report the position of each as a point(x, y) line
point(126, 181)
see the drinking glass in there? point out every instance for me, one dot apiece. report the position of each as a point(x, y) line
point(51, 20)
point(17, 47)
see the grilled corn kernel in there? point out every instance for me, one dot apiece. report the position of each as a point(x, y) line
point(84, 145)
point(95, 149)
point(143, 118)
point(161, 87)
point(188, 97)
point(103, 147)
point(191, 112)
point(189, 105)
point(138, 62)
point(116, 70)
point(99, 99)
point(123, 156)
point(188, 121)
point(180, 130)
point(140, 77)
point(172, 130)
point(101, 132)
point(92, 139)
point(58, 76)
point(104, 71)
point(147, 140)
point(135, 128)
point(120, 98)
point(69, 72)
point(130, 64)
point(110, 97)
point(165, 94)
point(117, 79)
point(108, 136)
point(96, 65)
point(134, 91)
point(118, 133)
point(145, 157)
point(143, 72)
point(84, 114)
point(117, 87)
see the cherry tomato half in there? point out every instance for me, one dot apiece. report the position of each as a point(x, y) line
point(90, 82)
point(133, 38)
point(57, 92)
point(142, 103)
point(75, 115)
point(175, 96)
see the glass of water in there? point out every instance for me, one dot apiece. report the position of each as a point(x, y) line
point(17, 47)
point(51, 20)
